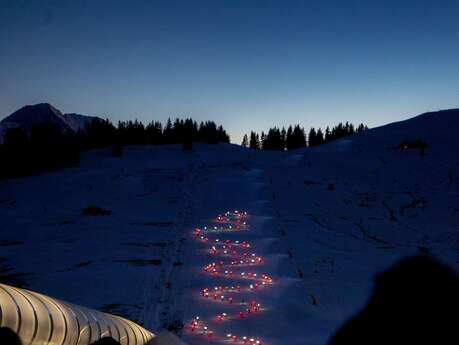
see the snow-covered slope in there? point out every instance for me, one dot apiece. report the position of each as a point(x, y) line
point(352, 208)
point(438, 129)
point(119, 262)
point(325, 220)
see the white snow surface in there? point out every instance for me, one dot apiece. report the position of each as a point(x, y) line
point(325, 220)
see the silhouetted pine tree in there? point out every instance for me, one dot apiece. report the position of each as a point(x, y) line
point(262, 140)
point(131, 133)
point(294, 138)
point(223, 137)
point(168, 133)
point(361, 128)
point(283, 138)
point(99, 134)
point(298, 139)
point(288, 138)
point(341, 131)
point(154, 132)
point(273, 140)
point(245, 141)
point(312, 137)
point(254, 142)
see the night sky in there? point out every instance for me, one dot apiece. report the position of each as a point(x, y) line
point(245, 64)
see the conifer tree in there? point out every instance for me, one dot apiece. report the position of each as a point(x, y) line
point(298, 138)
point(245, 141)
point(254, 141)
point(283, 138)
point(312, 137)
point(327, 134)
point(273, 140)
point(168, 132)
point(288, 138)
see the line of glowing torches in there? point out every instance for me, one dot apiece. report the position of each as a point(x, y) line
point(222, 245)
point(229, 216)
point(218, 294)
point(197, 326)
point(238, 226)
point(243, 260)
point(230, 248)
point(252, 307)
point(213, 269)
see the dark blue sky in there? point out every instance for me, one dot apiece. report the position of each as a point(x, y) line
point(246, 64)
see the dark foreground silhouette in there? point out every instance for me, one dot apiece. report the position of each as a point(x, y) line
point(8, 337)
point(414, 302)
point(106, 341)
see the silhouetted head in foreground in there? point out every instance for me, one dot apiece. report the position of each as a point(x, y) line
point(414, 302)
point(106, 341)
point(8, 337)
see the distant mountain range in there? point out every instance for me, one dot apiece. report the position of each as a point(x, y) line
point(29, 115)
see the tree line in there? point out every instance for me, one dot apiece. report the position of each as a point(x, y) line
point(46, 147)
point(295, 137)
point(99, 134)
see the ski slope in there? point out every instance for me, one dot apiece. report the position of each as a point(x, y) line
point(324, 221)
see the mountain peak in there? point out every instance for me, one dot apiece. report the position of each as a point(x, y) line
point(38, 113)
point(29, 115)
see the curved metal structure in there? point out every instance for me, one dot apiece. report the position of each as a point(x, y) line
point(41, 320)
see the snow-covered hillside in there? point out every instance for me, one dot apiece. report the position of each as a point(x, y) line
point(324, 220)
point(352, 208)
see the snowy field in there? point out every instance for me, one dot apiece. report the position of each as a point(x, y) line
point(324, 221)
